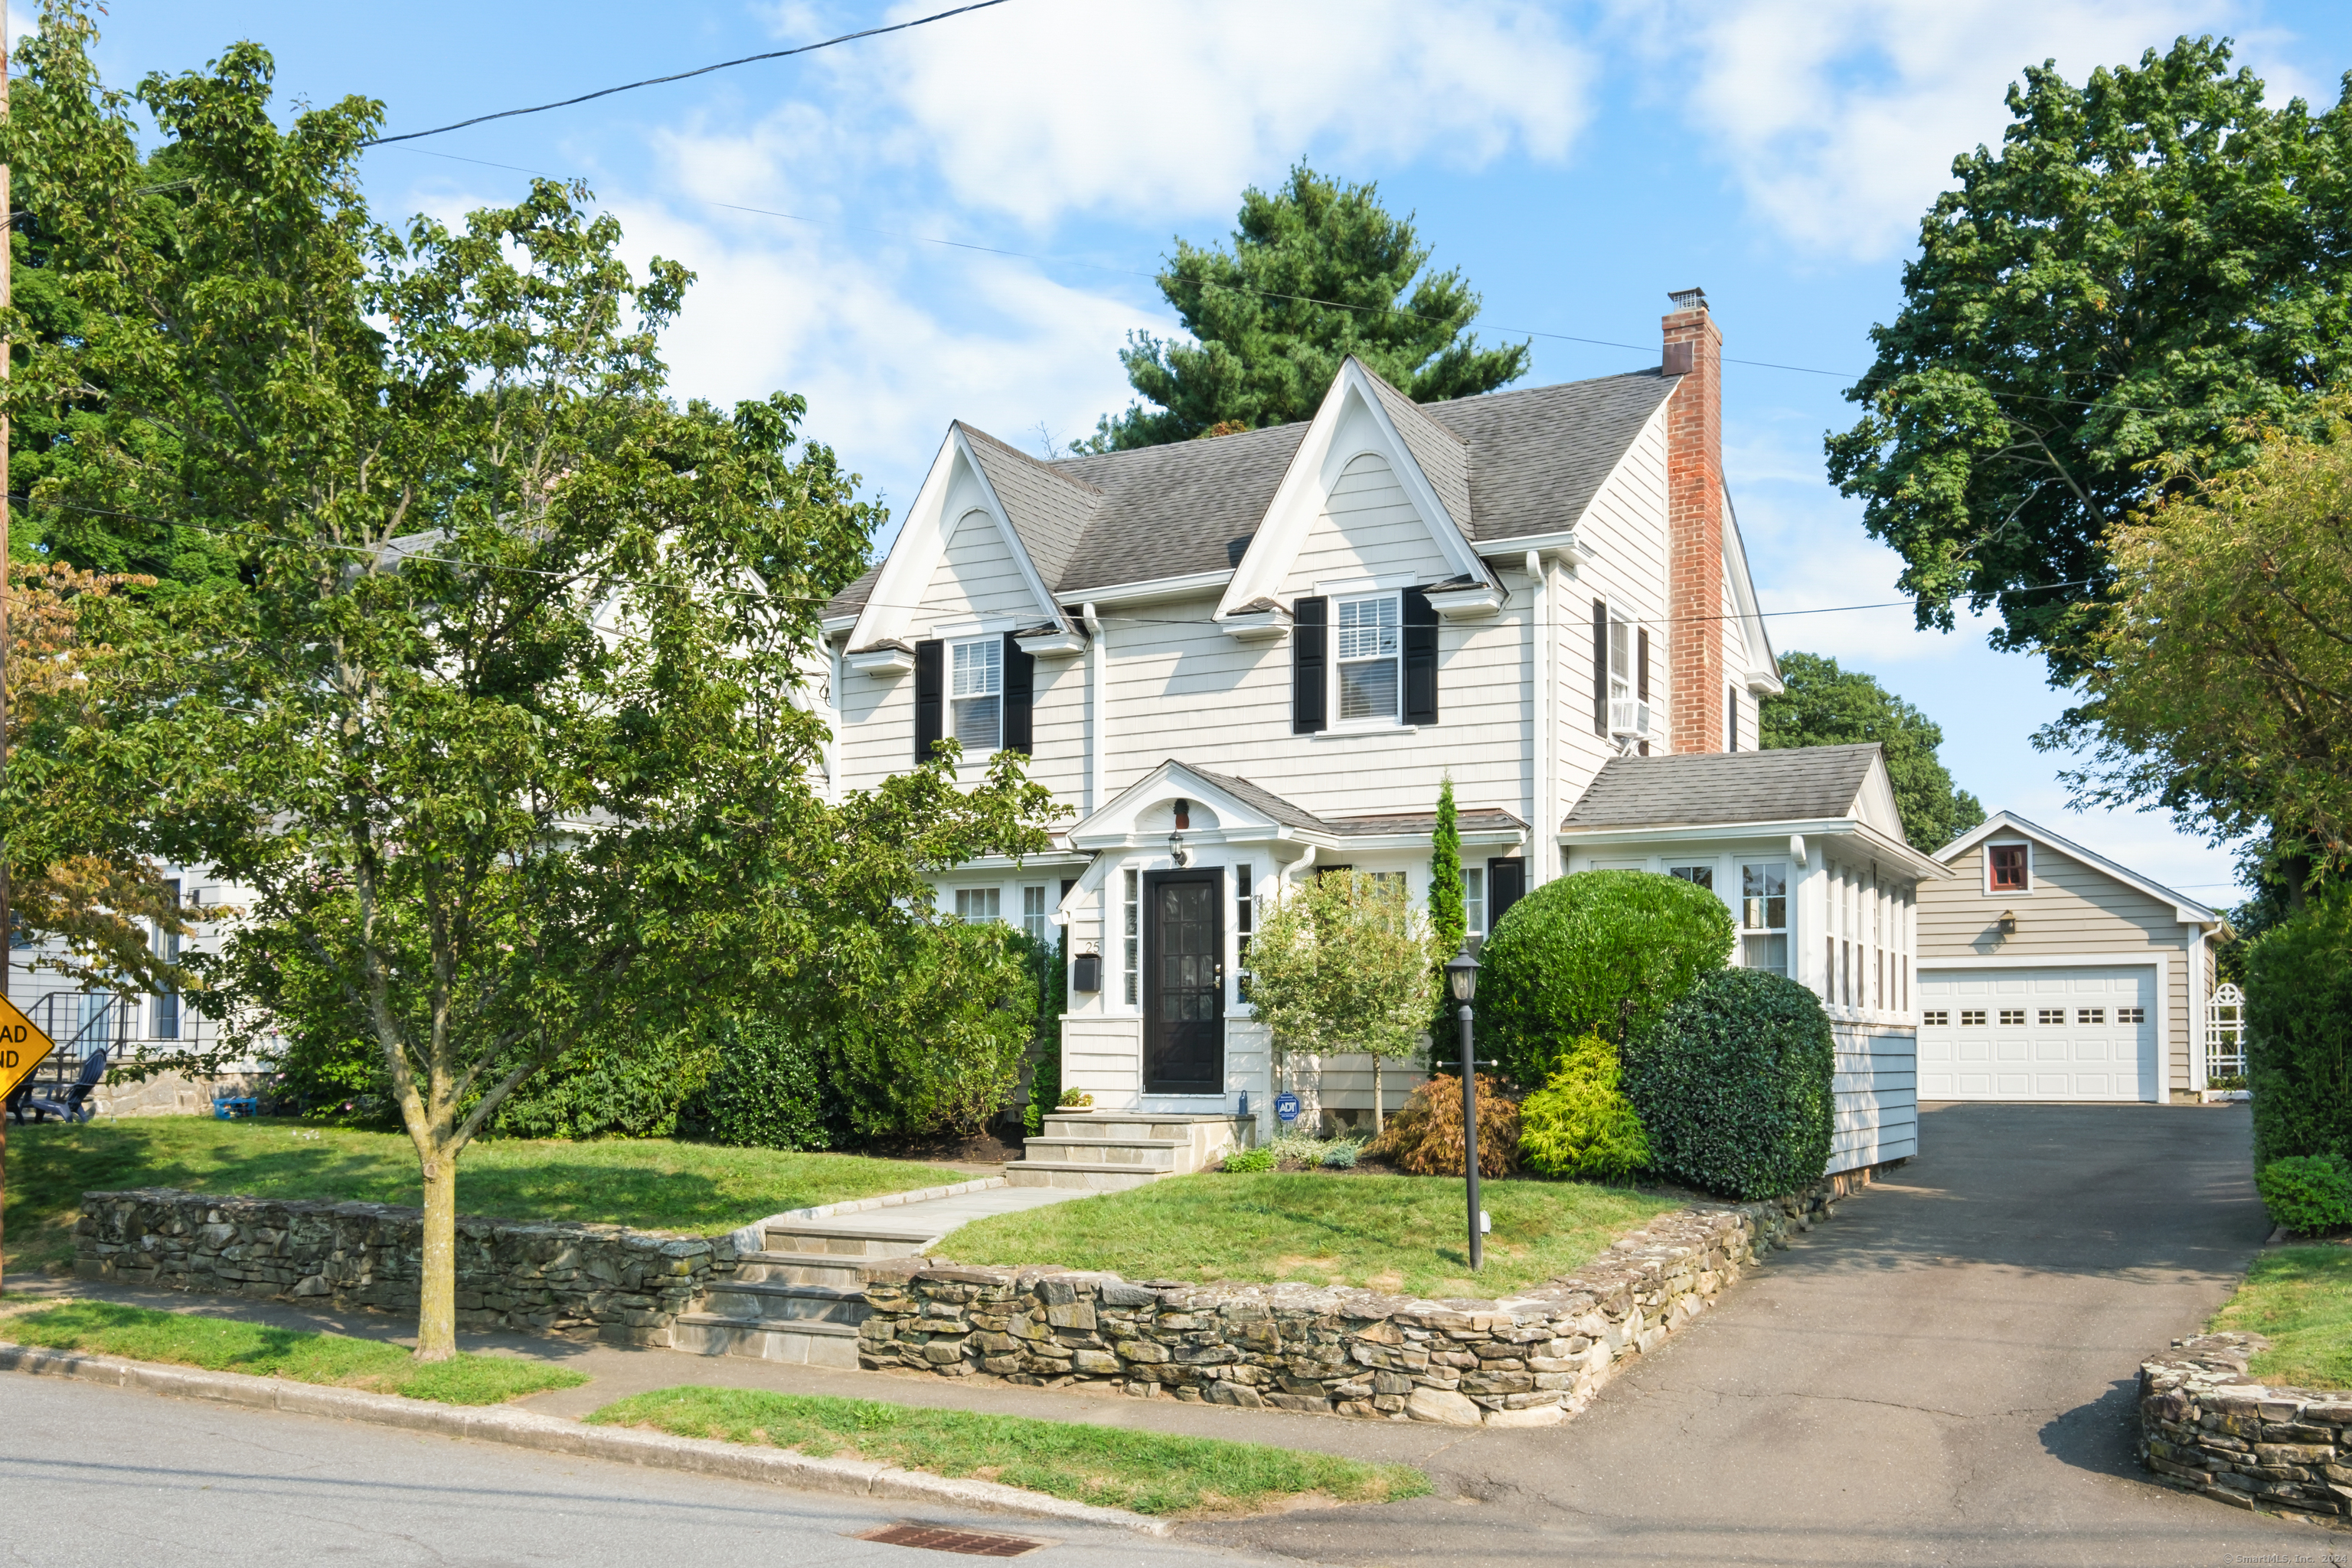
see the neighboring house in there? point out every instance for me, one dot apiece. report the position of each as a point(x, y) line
point(2048, 971)
point(1807, 848)
point(1243, 660)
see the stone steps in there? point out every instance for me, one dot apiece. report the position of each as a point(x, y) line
point(848, 1237)
point(814, 1343)
point(1114, 1150)
point(775, 1304)
point(800, 1268)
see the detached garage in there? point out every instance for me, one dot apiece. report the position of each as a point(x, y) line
point(2047, 971)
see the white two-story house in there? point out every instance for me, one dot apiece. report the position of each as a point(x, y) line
point(1243, 660)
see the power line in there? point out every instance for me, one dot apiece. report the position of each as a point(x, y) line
point(682, 76)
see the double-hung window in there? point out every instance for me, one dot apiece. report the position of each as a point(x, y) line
point(976, 695)
point(1370, 655)
point(1034, 922)
point(167, 948)
point(1474, 901)
point(979, 904)
point(1764, 916)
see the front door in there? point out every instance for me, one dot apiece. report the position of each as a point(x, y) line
point(1183, 983)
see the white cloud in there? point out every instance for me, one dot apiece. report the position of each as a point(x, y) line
point(1840, 119)
point(1155, 109)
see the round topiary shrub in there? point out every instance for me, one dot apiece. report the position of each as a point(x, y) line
point(1598, 952)
point(2299, 1033)
point(2308, 1193)
point(768, 1092)
point(1581, 1123)
point(1732, 1083)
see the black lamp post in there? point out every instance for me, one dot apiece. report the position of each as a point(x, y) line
point(1462, 980)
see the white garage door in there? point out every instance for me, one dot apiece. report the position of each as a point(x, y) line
point(2081, 1032)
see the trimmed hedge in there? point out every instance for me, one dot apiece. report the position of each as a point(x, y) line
point(1599, 953)
point(2308, 1193)
point(768, 1091)
point(1733, 1084)
point(2299, 1033)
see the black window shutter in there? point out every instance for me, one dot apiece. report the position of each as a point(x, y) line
point(1641, 671)
point(1308, 617)
point(1731, 719)
point(1600, 667)
point(930, 666)
point(1506, 881)
point(1420, 658)
point(1020, 694)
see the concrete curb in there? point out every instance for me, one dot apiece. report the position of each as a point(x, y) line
point(553, 1435)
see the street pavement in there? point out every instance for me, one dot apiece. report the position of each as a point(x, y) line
point(98, 1478)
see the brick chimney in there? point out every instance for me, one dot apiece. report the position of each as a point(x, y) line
point(1694, 351)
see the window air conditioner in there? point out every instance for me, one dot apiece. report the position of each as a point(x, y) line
point(1628, 716)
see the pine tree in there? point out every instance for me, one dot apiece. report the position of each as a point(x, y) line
point(1318, 270)
point(1447, 917)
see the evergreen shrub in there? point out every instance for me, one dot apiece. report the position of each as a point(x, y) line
point(2308, 1193)
point(1424, 1136)
point(768, 1091)
point(1732, 1083)
point(1581, 1123)
point(2299, 1033)
point(1598, 952)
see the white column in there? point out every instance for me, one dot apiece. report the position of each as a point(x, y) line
point(1543, 847)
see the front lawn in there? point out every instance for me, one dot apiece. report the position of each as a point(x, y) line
point(653, 1184)
point(225, 1344)
point(2300, 1297)
point(1109, 1467)
point(1404, 1235)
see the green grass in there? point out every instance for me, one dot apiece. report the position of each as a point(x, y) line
point(1112, 1467)
point(1405, 1235)
point(653, 1184)
point(223, 1344)
point(2300, 1297)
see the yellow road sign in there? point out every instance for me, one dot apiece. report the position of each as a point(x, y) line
point(21, 1047)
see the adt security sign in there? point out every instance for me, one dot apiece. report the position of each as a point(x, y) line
point(21, 1047)
point(1285, 1106)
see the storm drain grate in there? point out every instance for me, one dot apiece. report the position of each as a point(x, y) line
point(971, 1544)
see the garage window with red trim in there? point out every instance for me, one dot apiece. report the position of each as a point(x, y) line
point(2010, 868)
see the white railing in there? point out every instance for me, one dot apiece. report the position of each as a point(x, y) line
point(2225, 1035)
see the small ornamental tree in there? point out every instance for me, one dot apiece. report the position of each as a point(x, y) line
point(1449, 920)
point(1344, 965)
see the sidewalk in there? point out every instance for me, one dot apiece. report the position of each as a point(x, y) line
point(615, 1372)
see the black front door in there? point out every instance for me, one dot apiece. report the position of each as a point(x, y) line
point(1183, 983)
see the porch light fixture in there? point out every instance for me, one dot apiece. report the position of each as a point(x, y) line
point(1462, 982)
point(2008, 922)
point(1177, 852)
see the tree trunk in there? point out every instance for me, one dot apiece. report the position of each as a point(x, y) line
point(1377, 1102)
point(436, 1299)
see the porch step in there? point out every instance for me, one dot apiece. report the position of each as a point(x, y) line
point(806, 1344)
point(1081, 1175)
point(1159, 1154)
point(848, 1238)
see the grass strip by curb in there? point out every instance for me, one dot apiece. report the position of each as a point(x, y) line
point(1152, 1473)
point(2301, 1299)
point(334, 1361)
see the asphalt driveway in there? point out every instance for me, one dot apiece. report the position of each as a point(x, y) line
point(1943, 1373)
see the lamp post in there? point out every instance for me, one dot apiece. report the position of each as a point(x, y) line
point(1462, 980)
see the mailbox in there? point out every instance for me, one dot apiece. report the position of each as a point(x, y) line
point(1086, 971)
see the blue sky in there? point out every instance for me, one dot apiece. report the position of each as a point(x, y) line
point(1575, 161)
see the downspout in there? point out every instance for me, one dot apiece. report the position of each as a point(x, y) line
point(1097, 721)
point(1296, 869)
point(1542, 847)
point(833, 716)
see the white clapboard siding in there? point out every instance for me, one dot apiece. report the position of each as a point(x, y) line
point(1623, 529)
point(1876, 1097)
point(1368, 528)
point(1103, 1056)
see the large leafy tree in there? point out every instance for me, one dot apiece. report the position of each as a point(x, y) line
point(2147, 260)
point(503, 721)
point(1318, 270)
point(1824, 705)
point(2218, 681)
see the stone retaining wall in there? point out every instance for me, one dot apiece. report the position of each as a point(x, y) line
point(1525, 1361)
point(2207, 1425)
point(593, 1281)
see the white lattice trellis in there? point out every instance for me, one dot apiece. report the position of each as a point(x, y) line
point(2225, 1034)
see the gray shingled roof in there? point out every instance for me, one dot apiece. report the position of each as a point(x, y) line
point(1259, 800)
point(1506, 465)
point(1483, 819)
point(1796, 786)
